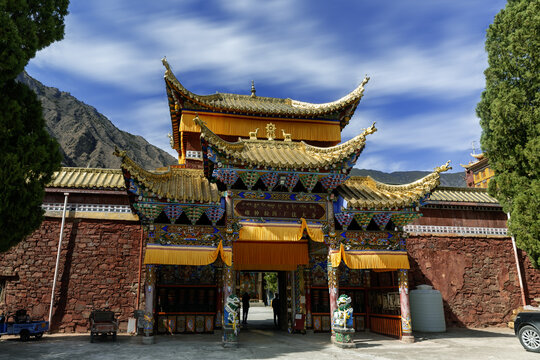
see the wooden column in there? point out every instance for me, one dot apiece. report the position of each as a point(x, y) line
point(406, 327)
point(333, 274)
point(260, 287)
point(307, 279)
point(228, 282)
point(228, 279)
point(229, 337)
point(219, 297)
point(333, 287)
point(149, 295)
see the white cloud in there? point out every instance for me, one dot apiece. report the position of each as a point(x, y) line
point(120, 44)
point(448, 131)
point(101, 58)
point(232, 52)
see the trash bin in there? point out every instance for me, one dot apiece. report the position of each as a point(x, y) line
point(139, 316)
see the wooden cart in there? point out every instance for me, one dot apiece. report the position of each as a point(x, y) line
point(103, 323)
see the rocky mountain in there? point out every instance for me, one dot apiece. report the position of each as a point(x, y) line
point(405, 177)
point(86, 137)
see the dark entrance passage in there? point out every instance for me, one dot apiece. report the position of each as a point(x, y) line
point(262, 288)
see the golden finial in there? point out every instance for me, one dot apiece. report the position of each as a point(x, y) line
point(270, 131)
point(253, 89)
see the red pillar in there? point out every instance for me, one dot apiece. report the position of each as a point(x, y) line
point(406, 327)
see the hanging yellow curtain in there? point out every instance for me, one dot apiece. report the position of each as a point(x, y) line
point(370, 259)
point(270, 246)
point(335, 257)
point(185, 254)
point(255, 255)
point(226, 254)
point(315, 233)
point(236, 125)
point(279, 232)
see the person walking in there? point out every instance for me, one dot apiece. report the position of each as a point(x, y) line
point(276, 308)
point(245, 307)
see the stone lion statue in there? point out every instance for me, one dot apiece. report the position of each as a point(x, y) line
point(343, 315)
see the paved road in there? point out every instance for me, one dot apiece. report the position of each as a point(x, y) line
point(260, 341)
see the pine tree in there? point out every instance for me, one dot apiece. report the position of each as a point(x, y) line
point(509, 113)
point(28, 155)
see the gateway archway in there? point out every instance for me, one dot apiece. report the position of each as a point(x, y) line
point(240, 200)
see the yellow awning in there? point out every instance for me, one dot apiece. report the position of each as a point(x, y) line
point(367, 259)
point(186, 255)
point(279, 232)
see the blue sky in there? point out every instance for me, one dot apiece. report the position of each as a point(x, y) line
point(425, 59)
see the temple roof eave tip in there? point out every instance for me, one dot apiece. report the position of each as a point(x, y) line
point(443, 168)
point(119, 153)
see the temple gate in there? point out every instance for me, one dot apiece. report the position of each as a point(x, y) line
point(263, 184)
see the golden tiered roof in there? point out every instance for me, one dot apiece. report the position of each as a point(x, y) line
point(462, 195)
point(251, 104)
point(176, 184)
point(284, 154)
point(88, 178)
point(365, 193)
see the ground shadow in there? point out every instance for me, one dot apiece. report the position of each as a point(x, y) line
point(460, 333)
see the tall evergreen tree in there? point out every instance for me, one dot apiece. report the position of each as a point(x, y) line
point(509, 113)
point(28, 155)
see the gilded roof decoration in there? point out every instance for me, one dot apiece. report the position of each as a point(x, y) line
point(363, 192)
point(176, 184)
point(86, 178)
point(462, 195)
point(253, 104)
point(481, 162)
point(284, 154)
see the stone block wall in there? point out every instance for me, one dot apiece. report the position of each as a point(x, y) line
point(531, 279)
point(99, 266)
point(476, 275)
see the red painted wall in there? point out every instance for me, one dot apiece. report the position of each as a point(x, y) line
point(98, 267)
point(476, 276)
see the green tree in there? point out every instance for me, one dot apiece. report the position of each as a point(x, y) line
point(27, 26)
point(28, 155)
point(509, 113)
point(271, 280)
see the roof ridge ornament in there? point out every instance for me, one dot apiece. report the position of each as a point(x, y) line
point(443, 168)
point(253, 134)
point(253, 91)
point(198, 120)
point(270, 131)
point(286, 137)
point(370, 130)
point(167, 66)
